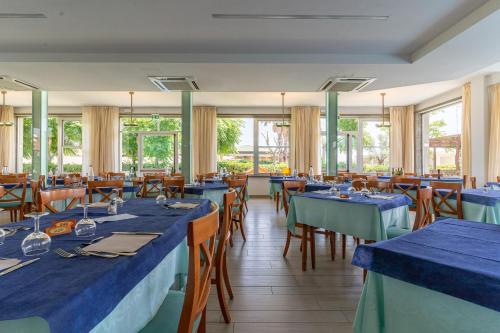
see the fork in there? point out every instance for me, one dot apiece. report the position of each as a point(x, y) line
point(82, 252)
point(65, 254)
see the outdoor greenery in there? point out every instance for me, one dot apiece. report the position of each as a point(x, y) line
point(228, 135)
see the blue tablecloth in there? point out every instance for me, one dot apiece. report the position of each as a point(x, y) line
point(456, 257)
point(428, 179)
point(356, 198)
point(323, 187)
point(478, 196)
point(75, 295)
point(200, 189)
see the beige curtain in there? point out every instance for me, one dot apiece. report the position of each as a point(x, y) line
point(305, 139)
point(466, 114)
point(402, 138)
point(7, 139)
point(204, 139)
point(101, 138)
point(494, 147)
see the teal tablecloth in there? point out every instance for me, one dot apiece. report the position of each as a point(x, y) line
point(389, 305)
point(359, 220)
point(212, 195)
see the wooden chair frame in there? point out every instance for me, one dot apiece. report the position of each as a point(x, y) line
point(337, 179)
point(116, 176)
point(47, 197)
point(97, 187)
point(405, 185)
point(173, 187)
point(9, 195)
point(379, 185)
point(155, 188)
point(440, 201)
point(423, 214)
point(239, 185)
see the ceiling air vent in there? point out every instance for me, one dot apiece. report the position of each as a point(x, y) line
point(344, 84)
point(10, 83)
point(174, 83)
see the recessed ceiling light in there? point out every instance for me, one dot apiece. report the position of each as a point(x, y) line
point(299, 17)
point(22, 16)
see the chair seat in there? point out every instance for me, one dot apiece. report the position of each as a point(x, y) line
point(10, 204)
point(168, 316)
point(393, 232)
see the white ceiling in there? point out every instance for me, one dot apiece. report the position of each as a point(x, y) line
point(84, 47)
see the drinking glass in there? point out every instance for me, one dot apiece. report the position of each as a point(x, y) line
point(36, 243)
point(86, 226)
point(119, 201)
point(2, 236)
point(486, 188)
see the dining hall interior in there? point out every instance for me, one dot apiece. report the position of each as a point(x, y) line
point(264, 166)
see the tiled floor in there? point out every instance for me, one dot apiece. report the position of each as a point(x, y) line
point(272, 294)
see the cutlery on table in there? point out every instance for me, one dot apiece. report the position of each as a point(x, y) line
point(20, 265)
point(65, 254)
point(137, 233)
point(82, 252)
point(92, 241)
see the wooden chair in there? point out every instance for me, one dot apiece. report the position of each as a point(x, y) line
point(498, 179)
point(473, 182)
point(73, 180)
point(201, 242)
point(441, 193)
point(221, 279)
point(239, 185)
point(151, 186)
point(61, 194)
point(337, 179)
point(360, 177)
point(372, 178)
point(210, 174)
point(276, 174)
point(423, 216)
point(357, 184)
point(173, 187)
point(379, 186)
point(464, 181)
point(410, 174)
point(36, 187)
point(104, 188)
point(199, 178)
point(116, 176)
point(302, 174)
point(405, 186)
point(14, 196)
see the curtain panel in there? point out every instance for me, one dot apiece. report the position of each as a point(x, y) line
point(466, 129)
point(7, 139)
point(204, 139)
point(494, 147)
point(402, 138)
point(101, 138)
point(305, 139)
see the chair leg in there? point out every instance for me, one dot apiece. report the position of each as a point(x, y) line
point(333, 244)
point(227, 283)
point(277, 202)
point(312, 233)
point(203, 321)
point(219, 283)
point(287, 244)
point(305, 230)
point(242, 229)
point(344, 240)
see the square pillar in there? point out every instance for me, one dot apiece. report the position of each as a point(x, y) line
point(480, 129)
point(187, 134)
point(39, 132)
point(332, 115)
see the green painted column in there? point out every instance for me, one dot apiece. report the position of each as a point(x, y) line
point(187, 134)
point(39, 133)
point(332, 115)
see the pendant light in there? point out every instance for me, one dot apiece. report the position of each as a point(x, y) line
point(131, 123)
point(5, 123)
point(384, 124)
point(283, 124)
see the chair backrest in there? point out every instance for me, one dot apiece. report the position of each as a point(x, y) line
point(290, 188)
point(73, 179)
point(151, 185)
point(276, 174)
point(16, 189)
point(36, 187)
point(379, 186)
point(360, 177)
point(406, 186)
point(441, 193)
point(200, 178)
point(2, 191)
point(337, 179)
point(423, 214)
point(47, 197)
point(498, 179)
point(20, 175)
point(372, 178)
point(407, 174)
point(104, 188)
point(473, 182)
point(201, 242)
point(357, 183)
point(464, 181)
point(224, 229)
point(173, 187)
point(302, 174)
point(240, 187)
point(210, 174)
point(115, 175)
point(177, 174)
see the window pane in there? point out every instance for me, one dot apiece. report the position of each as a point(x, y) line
point(72, 146)
point(375, 147)
point(441, 140)
point(26, 148)
point(273, 146)
point(235, 144)
point(52, 145)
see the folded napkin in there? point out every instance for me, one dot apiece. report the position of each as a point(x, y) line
point(99, 205)
point(7, 263)
point(322, 192)
point(120, 243)
point(381, 197)
point(183, 205)
point(112, 218)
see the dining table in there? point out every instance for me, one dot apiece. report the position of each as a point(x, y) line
point(442, 278)
point(93, 294)
point(369, 217)
point(213, 191)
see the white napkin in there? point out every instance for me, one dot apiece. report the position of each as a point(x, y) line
point(99, 205)
point(322, 192)
point(7, 263)
point(121, 243)
point(183, 205)
point(381, 197)
point(112, 218)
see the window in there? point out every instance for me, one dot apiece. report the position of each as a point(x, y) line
point(25, 148)
point(235, 144)
point(375, 147)
point(72, 157)
point(441, 140)
point(158, 150)
point(273, 142)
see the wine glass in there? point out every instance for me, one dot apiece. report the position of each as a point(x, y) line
point(119, 200)
point(2, 236)
point(86, 226)
point(365, 190)
point(36, 243)
point(351, 190)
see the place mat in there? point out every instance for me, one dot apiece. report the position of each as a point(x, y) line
point(120, 243)
point(183, 205)
point(7, 263)
point(113, 218)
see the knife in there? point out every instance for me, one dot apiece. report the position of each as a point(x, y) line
point(22, 264)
